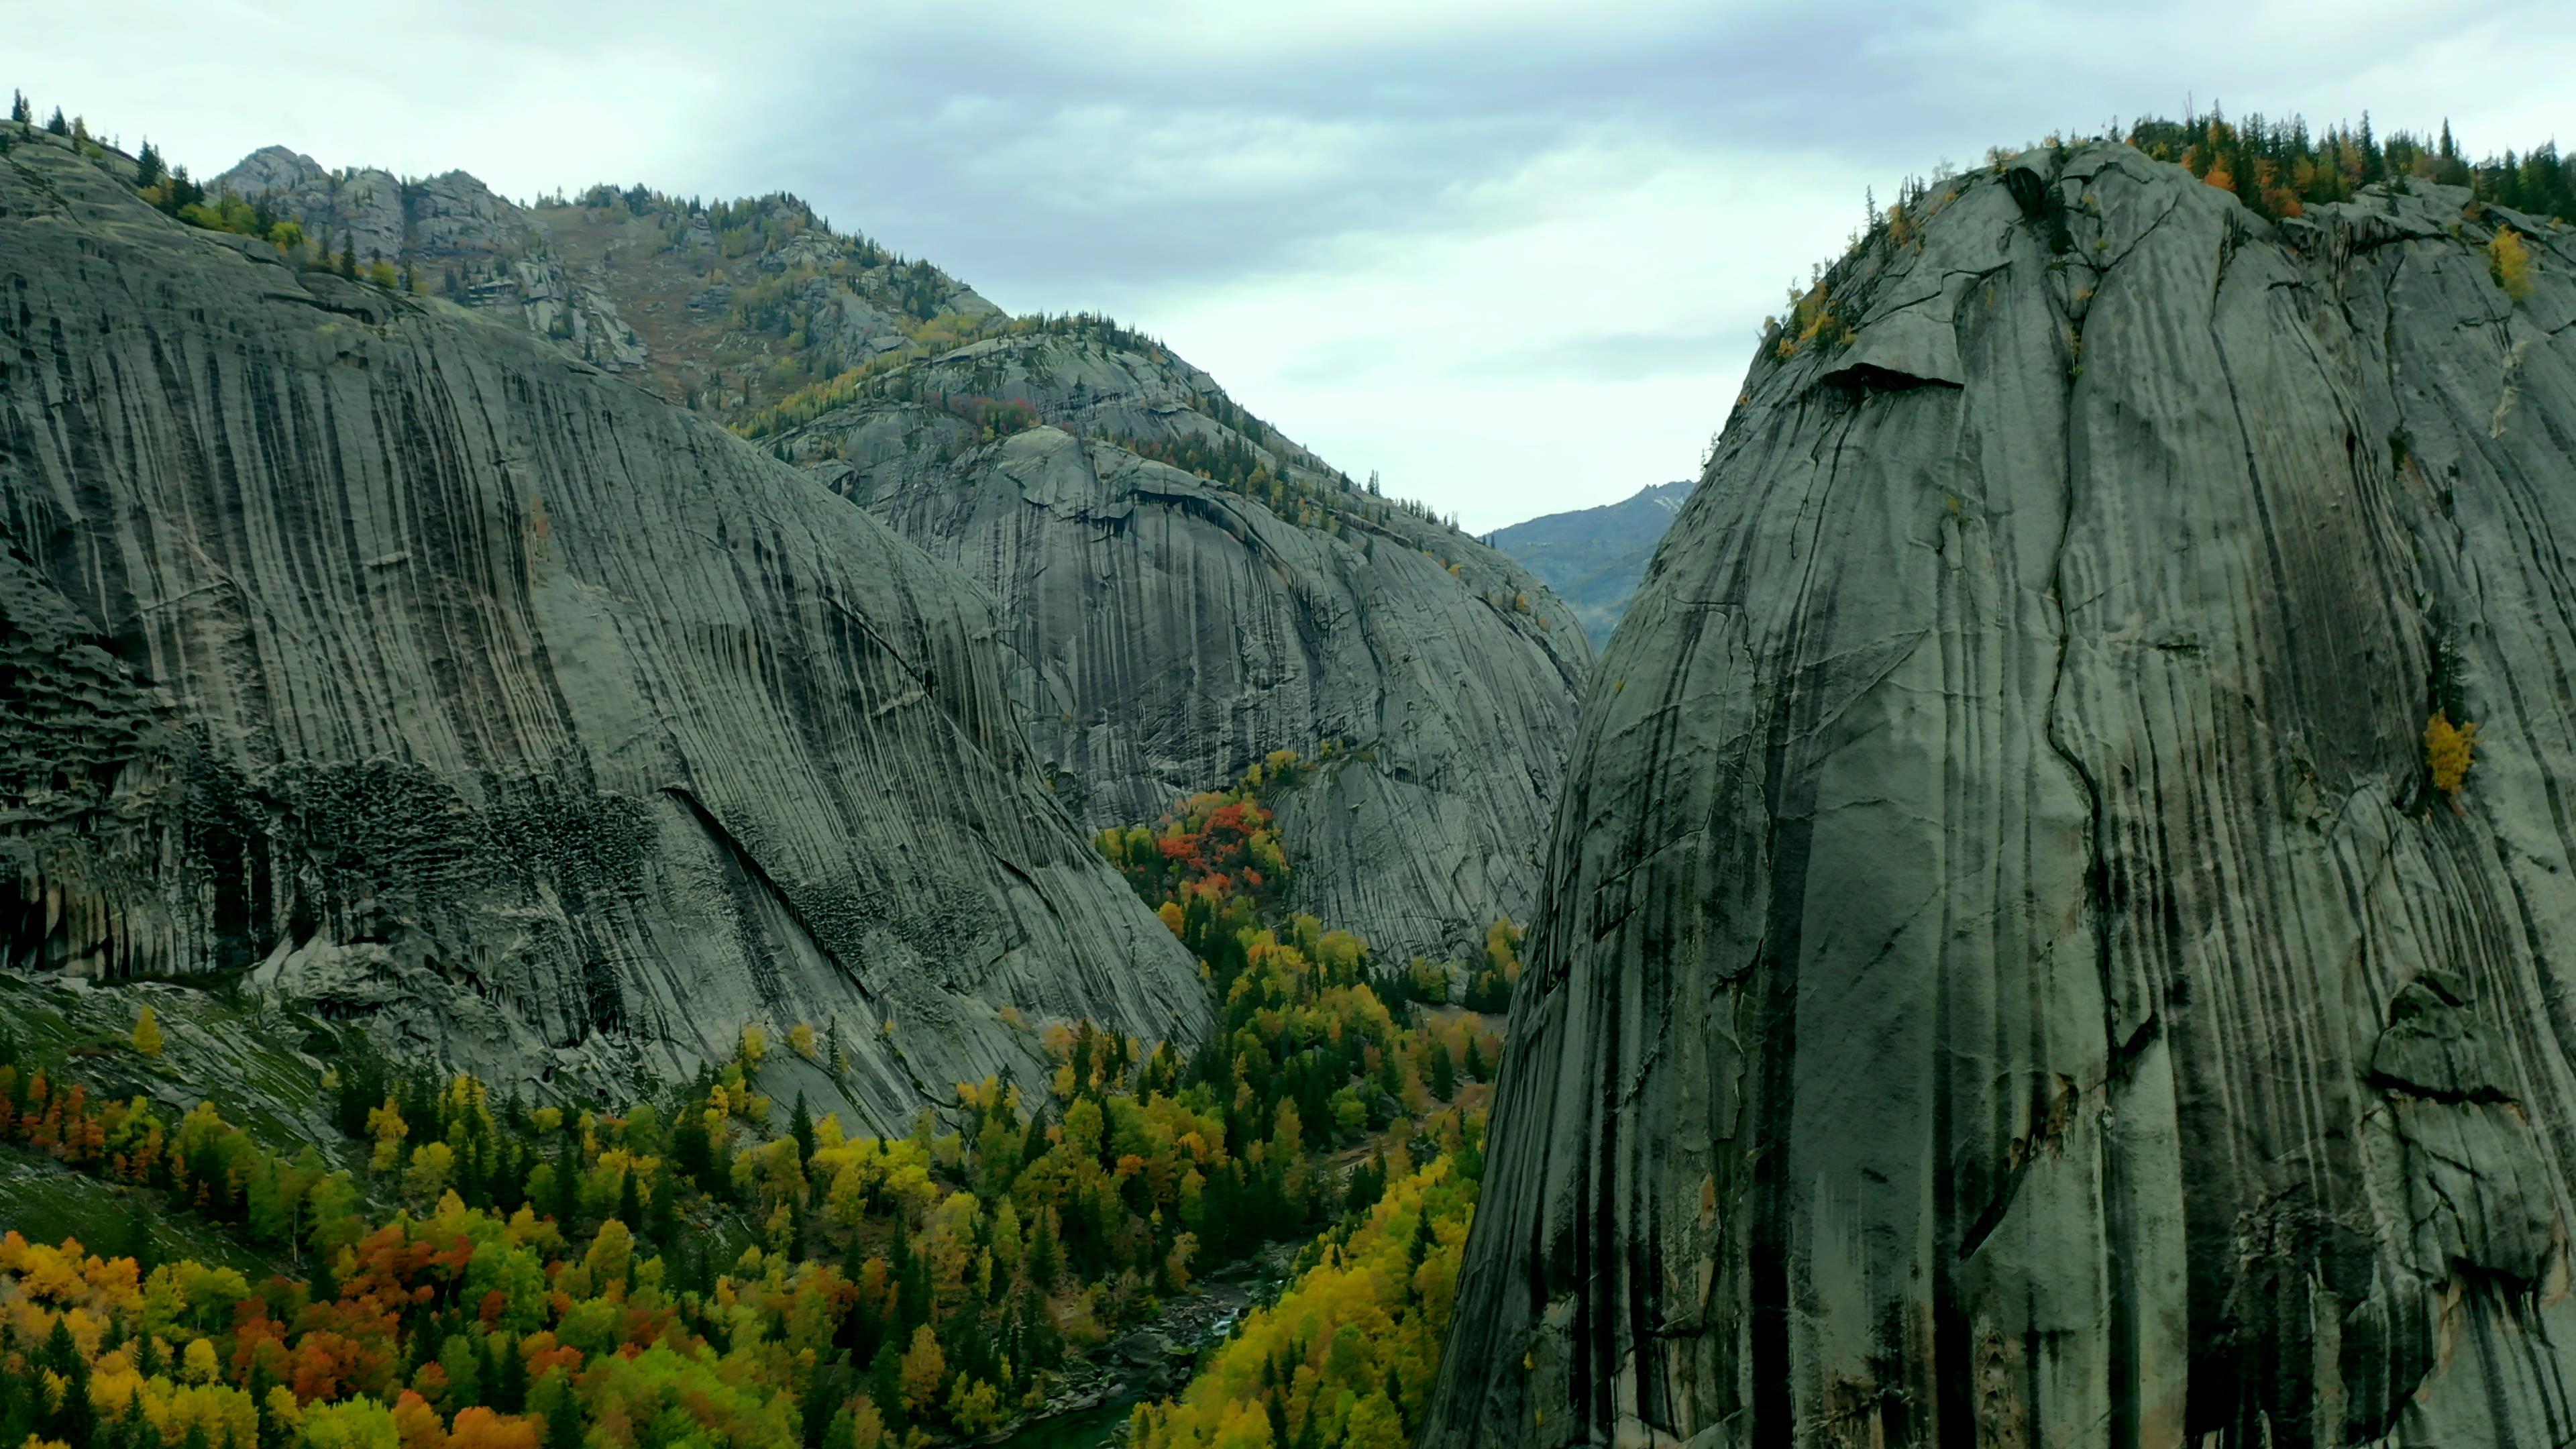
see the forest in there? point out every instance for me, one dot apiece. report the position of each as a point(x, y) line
point(496, 1275)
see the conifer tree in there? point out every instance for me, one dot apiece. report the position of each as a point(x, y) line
point(567, 1196)
point(57, 124)
point(563, 1415)
point(19, 111)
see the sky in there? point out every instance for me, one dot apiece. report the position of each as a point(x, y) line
point(1511, 254)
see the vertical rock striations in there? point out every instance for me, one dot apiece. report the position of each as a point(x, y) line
point(1168, 630)
point(2005, 975)
point(1167, 626)
point(361, 644)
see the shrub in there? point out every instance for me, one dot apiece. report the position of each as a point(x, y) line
point(2447, 748)
point(2510, 263)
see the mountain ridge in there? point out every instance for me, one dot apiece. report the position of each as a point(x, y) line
point(1594, 558)
point(1438, 673)
point(419, 671)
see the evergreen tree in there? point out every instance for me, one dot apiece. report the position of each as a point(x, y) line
point(630, 1204)
point(19, 111)
point(664, 1212)
point(802, 1126)
point(57, 124)
point(1444, 1074)
point(566, 1207)
point(147, 174)
point(1046, 1257)
point(885, 1385)
point(563, 1415)
point(75, 1420)
point(509, 1380)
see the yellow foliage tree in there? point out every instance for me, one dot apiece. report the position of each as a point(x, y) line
point(385, 1124)
point(2447, 748)
point(925, 1367)
point(147, 1033)
point(2509, 260)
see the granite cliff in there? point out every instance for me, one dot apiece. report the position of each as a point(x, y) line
point(2005, 972)
point(392, 660)
point(1188, 591)
point(1184, 589)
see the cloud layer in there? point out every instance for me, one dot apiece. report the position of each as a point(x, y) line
point(1510, 253)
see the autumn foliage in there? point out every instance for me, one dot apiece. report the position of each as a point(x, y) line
point(500, 1276)
point(2447, 748)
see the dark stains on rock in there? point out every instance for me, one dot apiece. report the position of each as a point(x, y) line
point(1999, 976)
point(379, 651)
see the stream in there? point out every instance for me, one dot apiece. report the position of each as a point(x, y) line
point(1152, 1360)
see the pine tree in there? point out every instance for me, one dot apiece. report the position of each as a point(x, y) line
point(75, 1420)
point(57, 124)
point(1444, 1074)
point(1046, 1258)
point(509, 1380)
point(801, 1125)
point(664, 1212)
point(885, 1385)
point(147, 167)
point(567, 1196)
point(19, 111)
point(630, 1204)
point(563, 1416)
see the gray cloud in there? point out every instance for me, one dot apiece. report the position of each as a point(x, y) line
point(1335, 206)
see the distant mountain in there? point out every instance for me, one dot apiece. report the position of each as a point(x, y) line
point(1594, 557)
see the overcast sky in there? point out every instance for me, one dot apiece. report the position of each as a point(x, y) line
point(1512, 253)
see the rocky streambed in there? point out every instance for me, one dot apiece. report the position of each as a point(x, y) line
point(1092, 1399)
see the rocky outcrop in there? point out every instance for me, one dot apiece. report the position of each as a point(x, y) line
point(380, 216)
point(368, 649)
point(2004, 973)
point(1169, 631)
point(450, 228)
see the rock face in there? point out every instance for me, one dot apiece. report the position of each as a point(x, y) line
point(372, 649)
point(1168, 632)
point(1164, 633)
point(2004, 973)
point(437, 227)
point(1594, 558)
point(382, 217)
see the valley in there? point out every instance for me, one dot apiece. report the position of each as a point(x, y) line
point(637, 822)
